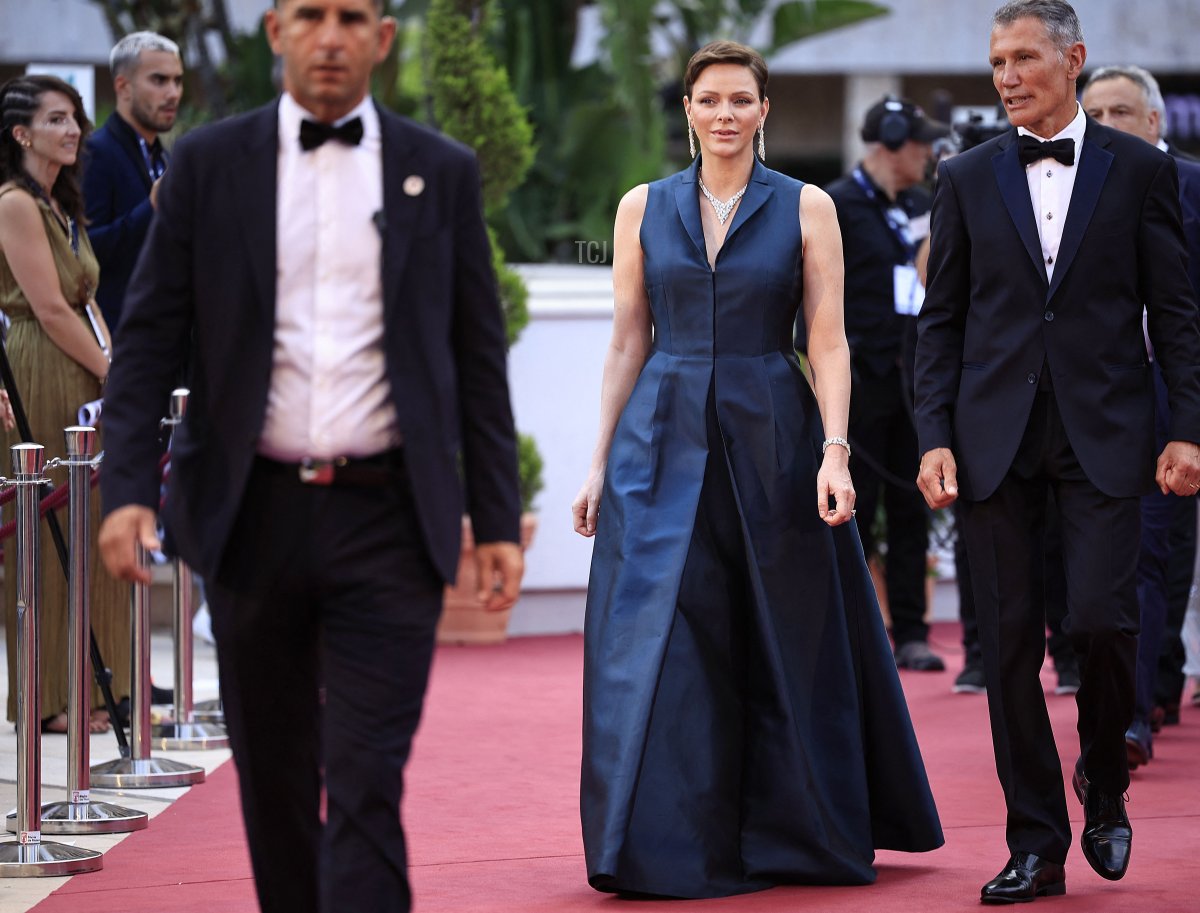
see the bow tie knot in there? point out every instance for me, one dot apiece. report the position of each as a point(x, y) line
point(1030, 149)
point(314, 134)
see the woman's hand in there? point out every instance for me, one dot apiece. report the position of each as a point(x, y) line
point(586, 505)
point(834, 485)
point(7, 419)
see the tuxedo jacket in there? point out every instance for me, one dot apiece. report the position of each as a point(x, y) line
point(116, 192)
point(206, 282)
point(992, 321)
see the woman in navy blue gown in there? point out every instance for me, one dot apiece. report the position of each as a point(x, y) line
point(743, 720)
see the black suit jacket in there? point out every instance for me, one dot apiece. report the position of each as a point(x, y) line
point(206, 281)
point(116, 191)
point(1189, 201)
point(991, 321)
point(1179, 154)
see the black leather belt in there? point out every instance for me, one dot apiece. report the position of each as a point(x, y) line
point(376, 471)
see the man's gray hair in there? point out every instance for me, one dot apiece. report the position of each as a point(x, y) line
point(125, 53)
point(1058, 16)
point(1144, 81)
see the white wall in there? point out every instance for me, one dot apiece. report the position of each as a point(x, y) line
point(555, 371)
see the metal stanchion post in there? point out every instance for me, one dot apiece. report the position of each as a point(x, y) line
point(140, 771)
point(81, 814)
point(28, 855)
point(186, 732)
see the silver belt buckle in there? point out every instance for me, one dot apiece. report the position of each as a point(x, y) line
point(316, 472)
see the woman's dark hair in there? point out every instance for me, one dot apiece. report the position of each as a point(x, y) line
point(726, 52)
point(19, 100)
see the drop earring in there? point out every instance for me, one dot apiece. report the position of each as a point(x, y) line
point(762, 142)
point(691, 138)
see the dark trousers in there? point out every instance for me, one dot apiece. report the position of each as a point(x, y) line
point(1169, 682)
point(1099, 545)
point(324, 612)
point(1054, 590)
point(884, 438)
point(1157, 510)
point(1168, 548)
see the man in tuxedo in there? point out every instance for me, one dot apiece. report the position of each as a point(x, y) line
point(324, 266)
point(1128, 99)
point(1032, 378)
point(125, 158)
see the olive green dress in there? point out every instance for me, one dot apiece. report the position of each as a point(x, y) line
point(53, 386)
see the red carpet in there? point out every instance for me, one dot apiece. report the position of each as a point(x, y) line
point(492, 811)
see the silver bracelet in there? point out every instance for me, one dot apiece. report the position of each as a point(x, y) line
point(840, 441)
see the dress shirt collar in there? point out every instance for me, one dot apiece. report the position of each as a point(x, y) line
point(1162, 144)
point(119, 125)
point(1073, 131)
point(291, 114)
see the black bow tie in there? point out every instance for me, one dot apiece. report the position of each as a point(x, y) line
point(313, 134)
point(1030, 149)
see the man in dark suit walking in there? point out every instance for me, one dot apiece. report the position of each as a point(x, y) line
point(125, 158)
point(1127, 98)
point(1032, 377)
point(324, 266)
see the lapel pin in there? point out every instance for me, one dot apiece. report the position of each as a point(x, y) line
point(413, 185)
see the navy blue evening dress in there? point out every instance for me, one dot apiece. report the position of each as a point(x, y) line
point(744, 724)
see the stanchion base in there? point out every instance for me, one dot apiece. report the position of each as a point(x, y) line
point(38, 859)
point(209, 712)
point(92, 817)
point(145, 773)
point(187, 736)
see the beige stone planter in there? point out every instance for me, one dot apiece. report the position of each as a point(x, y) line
point(463, 620)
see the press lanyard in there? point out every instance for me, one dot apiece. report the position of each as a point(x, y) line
point(154, 168)
point(898, 229)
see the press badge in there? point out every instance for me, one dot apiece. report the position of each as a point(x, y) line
point(909, 292)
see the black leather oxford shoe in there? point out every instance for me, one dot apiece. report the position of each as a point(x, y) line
point(1025, 878)
point(1107, 835)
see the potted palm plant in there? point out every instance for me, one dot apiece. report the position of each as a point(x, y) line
point(463, 620)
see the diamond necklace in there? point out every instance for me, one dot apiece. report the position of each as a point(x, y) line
point(722, 209)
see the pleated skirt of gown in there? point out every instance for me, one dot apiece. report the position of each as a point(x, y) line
point(776, 747)
point(52, 388)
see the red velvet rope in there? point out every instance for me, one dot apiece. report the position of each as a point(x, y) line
point(56, 499)
point(52, 501)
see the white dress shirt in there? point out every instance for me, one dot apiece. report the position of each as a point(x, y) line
point(329, 396)
point(1050, 186)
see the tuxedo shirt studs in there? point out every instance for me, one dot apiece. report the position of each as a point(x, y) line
point(1050, 185)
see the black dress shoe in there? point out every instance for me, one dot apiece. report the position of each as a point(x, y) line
point(1107, 835)
point(1025, 878)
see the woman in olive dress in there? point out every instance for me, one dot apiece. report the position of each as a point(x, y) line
point(59, 355)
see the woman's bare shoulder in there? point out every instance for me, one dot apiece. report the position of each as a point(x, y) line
point(815, 202)
point(634, 201)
